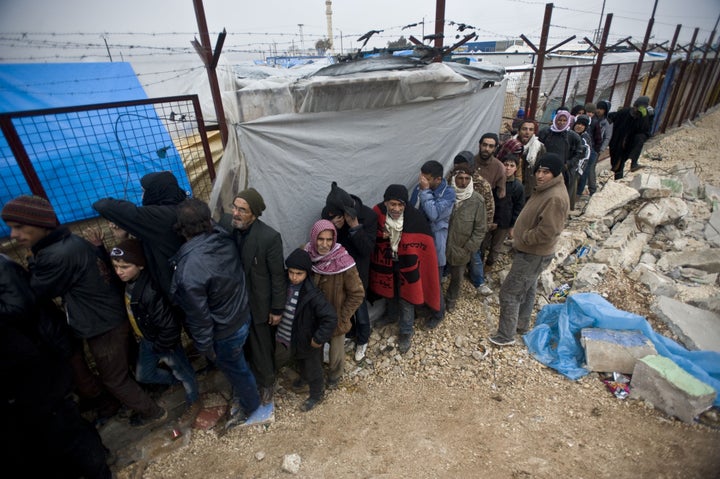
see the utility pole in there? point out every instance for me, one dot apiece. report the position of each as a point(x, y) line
point(636, 71)
point(302, 43)
point(210, 59)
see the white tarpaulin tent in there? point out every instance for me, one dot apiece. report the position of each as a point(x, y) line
point(364, 130)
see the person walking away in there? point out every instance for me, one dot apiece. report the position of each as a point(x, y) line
point(537, 230)
point(631, 129)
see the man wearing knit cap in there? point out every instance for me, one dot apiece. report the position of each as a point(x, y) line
point(536, 233)
point(403, 268)
point(631, 128)
point(64, 265)
point(261, 251)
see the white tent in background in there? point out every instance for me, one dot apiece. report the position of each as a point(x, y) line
point(366, 125)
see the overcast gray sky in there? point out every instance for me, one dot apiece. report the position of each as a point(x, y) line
point(263, 25)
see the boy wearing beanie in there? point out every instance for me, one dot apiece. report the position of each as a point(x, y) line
point(308, 322)
point(155, 328)
point(536, 233)
point(66, 265)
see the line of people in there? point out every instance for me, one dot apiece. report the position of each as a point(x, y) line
point(250, 311)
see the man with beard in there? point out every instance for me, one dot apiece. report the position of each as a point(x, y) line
point(532, 149)
point(261, 251)
point(403, 268)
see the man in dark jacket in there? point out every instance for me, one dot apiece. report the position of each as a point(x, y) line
point(356, 226)
point(65, 265)
point(261, 252)
point(631, 128)
point(559, 138)
point(152, 223)
point(45, 434)
point(209, 284)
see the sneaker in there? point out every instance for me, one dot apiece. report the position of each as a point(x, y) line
point(310, 403)
point(484, 289)
point(188, 417)
point(360, 350)
point(404, 343)
point(500, 341)
point(237, 419)
point(138, 420)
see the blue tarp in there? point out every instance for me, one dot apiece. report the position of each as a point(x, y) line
point(81, 158)
point(555, 339)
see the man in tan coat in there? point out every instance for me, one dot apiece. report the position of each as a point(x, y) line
point(536, 233)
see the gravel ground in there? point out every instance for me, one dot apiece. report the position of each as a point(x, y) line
point(455, 406)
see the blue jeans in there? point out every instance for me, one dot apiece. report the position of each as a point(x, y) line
point(405, 312)
point(230, 359)
point(362, 324)
point(477, 269)
point(147, 370)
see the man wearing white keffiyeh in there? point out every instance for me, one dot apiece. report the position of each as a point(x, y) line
point(468, 225)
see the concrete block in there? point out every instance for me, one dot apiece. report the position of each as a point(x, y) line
point(612, 196)
point(696, 328)
point(661, 212)
point(649, 186)
point(670, 388)
point(675, 186)
point(609, 350)
point(706, 259)
point(712, 229)
point(657, 283)
point(589, 276)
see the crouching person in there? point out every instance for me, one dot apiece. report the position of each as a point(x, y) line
point(209, 285)
point(156, 329)
point(307, 323)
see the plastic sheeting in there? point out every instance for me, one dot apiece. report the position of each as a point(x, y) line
point(365, 133)
point(554, 341)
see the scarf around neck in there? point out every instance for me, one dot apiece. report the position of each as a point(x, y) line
point(337, 260)
point(461, 194)
point(394, 229)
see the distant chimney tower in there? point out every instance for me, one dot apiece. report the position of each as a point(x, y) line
point(328, 14)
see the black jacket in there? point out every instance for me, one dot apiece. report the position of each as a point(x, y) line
point(566, 143)
point(507, 209)
point(261, 252)
point(360, 242)
point(209, 285)
point(68, 266)
point(315, 318)
point(153, 225)
point(153, 314)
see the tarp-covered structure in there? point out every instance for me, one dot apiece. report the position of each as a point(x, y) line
point(366, 125)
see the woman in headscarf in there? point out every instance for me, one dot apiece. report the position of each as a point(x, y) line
point(335, 274)
point(560, 139)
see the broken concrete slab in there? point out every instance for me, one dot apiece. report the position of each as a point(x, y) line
point(624, 246)
point(696, 328)
point(609, 350)
point(660, 212)
point(657, 283)
point(706, 259)
point(650, 186)
point(675, 186)
point(612, 196)
point(670, 388)
point(589, 276)
point(712, 229)
point(692, 187)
